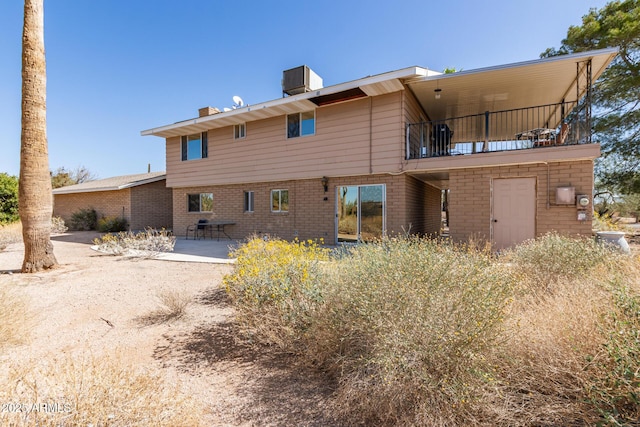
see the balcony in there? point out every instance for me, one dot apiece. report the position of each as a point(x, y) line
point(565, 123)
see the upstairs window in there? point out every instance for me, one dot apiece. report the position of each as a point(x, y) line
point(301, 124)
point(194, 146)
point(239, 131)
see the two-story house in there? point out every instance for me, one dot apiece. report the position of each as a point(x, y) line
point(505, 151)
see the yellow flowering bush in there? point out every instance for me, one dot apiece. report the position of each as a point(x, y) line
point(275, 286)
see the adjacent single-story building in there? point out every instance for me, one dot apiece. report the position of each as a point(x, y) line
point(506, 151)
point(142, 199)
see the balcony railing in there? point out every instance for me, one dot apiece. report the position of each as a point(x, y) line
point(565, 123)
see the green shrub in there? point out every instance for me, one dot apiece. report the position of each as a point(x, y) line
point(112, 224)
point(84, 220)
point(8, 199)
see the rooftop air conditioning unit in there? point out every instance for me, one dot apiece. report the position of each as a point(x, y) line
point(300, 80)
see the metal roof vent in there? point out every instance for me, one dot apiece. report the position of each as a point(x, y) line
point(300, 80)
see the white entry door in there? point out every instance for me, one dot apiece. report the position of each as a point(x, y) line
point(514, 211)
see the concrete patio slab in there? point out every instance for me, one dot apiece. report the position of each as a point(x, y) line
point(211, 251)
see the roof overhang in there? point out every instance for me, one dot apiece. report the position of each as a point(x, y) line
point(509, 87)
point(83, 188)
point(505, 87)
point(369, 86)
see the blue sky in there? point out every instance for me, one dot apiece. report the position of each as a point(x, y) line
point(117, 67)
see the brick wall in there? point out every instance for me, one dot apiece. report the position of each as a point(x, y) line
point(106, 203)
point(151, 206)
point(423, 207)
point(310, 215)
point(148, 205)
point(470, 197)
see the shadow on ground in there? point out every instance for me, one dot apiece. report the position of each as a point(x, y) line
point(272, 390)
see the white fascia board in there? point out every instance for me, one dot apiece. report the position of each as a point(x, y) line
point(612, 52)
point(69, 190)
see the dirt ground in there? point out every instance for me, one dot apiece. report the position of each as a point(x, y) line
point(93, 303)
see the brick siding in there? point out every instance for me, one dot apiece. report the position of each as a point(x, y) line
point(470, 197)
point(310, 216)
point(151, 206)
point(148, 205)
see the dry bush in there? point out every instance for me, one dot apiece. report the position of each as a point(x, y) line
point(98, 391)
point(423, 333)
point(58, 226)
point(404, 327)
point(562, 361)
point(10, 233)
point(172, 306)
point(146, 244)
point(15, 319)
point(275, 286)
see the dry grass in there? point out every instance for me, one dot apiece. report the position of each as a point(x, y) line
point(172, 306)
point(98, 391)
point(10, 233)
point(15, 319)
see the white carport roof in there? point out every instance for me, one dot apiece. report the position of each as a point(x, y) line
point(504, 87)
point(508, 87)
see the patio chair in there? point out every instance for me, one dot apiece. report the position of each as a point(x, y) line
point(197, 229)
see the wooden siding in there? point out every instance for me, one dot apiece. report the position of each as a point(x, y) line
point(344, 143)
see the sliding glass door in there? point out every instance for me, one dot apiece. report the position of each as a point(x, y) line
point(360, 212)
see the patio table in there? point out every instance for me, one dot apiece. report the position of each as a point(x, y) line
point(219, 228)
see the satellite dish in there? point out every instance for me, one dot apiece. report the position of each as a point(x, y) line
point(225, 109)
point(238, 101)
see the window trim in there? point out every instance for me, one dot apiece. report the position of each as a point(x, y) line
point(249, 200)
point(280, 210)
point(300, 121)
point(204, 146)
point(242, 126)
point(199, 202)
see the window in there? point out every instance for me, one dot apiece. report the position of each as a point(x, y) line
point(301, 124)
point(239, 131)
point(202, 202)
point(279, 200)
point(248, 201)
point(194, 146)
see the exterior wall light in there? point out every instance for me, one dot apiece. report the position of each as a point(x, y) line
point(325, 183)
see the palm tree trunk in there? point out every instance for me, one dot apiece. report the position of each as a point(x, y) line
point(35, 198)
